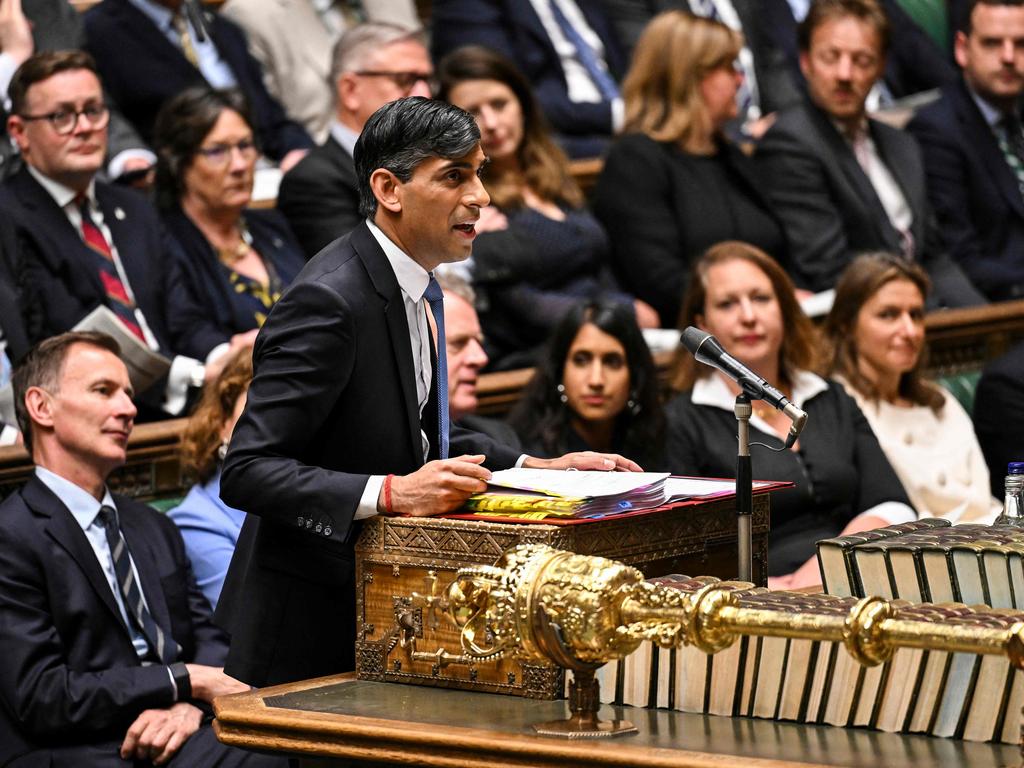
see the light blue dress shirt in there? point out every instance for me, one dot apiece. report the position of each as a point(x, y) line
point(85, 509)
point(214, 68)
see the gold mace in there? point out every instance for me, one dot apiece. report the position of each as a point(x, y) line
point(579, 612)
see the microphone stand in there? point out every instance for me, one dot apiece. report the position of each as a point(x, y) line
point(744, 490)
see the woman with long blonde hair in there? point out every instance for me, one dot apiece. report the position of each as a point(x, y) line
point(673, 185)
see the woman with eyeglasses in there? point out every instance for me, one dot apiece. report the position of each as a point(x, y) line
point(230, 263)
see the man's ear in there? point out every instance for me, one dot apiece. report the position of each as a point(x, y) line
point(16, 130)
point(345, 88)
point(387, 189)
point(39, 405)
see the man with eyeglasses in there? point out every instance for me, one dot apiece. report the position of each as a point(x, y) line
point(87, 243)
point(372, 64)
point(293, 39)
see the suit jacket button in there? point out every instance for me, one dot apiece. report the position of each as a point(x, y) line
point(302, 521)
point(327, 531)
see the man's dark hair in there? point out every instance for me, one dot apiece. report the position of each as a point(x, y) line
point(963, 24)
point(402, 134)
point(41, 67)
point(822, 11)
point(42, 367)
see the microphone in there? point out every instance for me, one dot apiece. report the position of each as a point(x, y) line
point(706, 349)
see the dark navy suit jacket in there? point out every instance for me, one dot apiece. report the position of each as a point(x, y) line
point(974, 193)
point(141, 69)
point(70, 674)
point(60, 285)
point(512, 28)
point(332, 401)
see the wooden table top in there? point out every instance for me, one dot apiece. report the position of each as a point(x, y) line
point(405, 724)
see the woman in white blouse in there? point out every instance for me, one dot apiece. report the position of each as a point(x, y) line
point(876, 332)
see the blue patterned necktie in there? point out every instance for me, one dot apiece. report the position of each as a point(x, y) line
point(162, 646)
point(435, 297)
point(586, 55)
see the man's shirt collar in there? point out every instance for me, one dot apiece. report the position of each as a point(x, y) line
point(412, 278)
point(80, 502)
point(345, 136)
point(61, 195)
point(992, 116)
point(713, 391)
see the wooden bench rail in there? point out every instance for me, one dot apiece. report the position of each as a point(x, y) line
point(959, 341)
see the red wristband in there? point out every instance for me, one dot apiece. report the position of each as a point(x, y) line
point(387, 495)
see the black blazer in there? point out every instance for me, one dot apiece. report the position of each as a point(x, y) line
point(59, 286)
point(12, 305)
point(512, 28)
point(974, 192)
point(141, 69)
point(320, 197)
point(999, 414)
point(70, 674)
point(830, 210)
point(839, 470)
point(660, 219)
point(333, 401)
point(201, 309)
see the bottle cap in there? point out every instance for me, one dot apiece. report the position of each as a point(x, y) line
point(1015, 468)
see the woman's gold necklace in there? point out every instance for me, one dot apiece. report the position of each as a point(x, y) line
point(231, 256)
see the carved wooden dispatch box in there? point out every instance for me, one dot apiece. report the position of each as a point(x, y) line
point(395, 556)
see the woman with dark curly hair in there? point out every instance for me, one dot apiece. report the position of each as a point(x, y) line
point(595, 388)
point(210, 527)
point(539, 251)
point(231, 263)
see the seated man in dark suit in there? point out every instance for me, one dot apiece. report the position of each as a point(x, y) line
point(840, 182)
point(466, 357)
point(371, 65)
point(347, 414)
point(999, 414)
point(973, 148)
point(567, 50)
point(149, 50)
point(110, 654)
point(86, 243)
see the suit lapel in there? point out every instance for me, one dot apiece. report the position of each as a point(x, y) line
point(65, 530)
point(121, 231)
point(65, 252)
point(135, 536)
point(907, 176)
point(386, 285)
point(982, 138)
point(149, 37)
point(841, 151)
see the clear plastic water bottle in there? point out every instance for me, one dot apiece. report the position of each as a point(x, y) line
point(1013, 503)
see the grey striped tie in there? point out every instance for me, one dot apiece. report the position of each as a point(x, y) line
point(164, 647)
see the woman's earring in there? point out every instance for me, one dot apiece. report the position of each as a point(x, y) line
point(561, 393)
point(633, 404)
point(222, 450)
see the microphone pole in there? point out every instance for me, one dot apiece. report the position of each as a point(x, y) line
point(744, 490)
point(706, 349)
